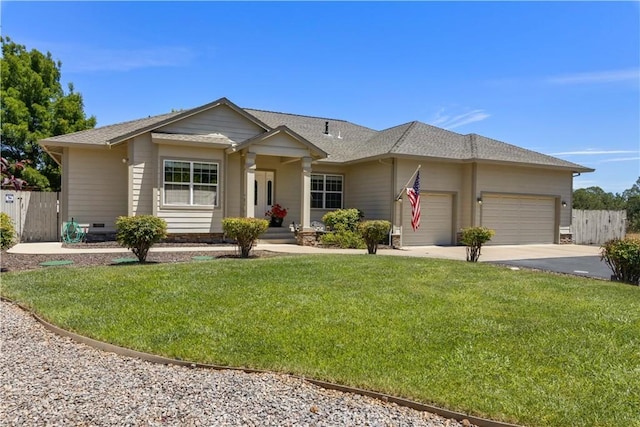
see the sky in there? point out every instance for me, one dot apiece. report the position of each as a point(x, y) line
point(560, 78)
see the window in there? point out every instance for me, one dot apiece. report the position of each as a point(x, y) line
point(326, 191)
point(190, 183)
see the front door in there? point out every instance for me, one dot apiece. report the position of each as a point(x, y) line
point(264, 191)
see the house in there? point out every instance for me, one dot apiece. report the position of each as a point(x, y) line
point(195, 167)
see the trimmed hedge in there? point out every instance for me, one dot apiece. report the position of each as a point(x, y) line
point(245, 231)
point(139, 233)
point(7, 232)
point(343, 219)
point(474, 238)
point(342, 227)
point(373, 232)
point(623, 258)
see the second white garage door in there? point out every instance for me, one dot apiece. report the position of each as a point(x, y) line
point(519, 220)
point(435, 224)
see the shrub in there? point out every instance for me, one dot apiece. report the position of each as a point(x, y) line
point(245, 231)
point(7, 232)
point(139, 233)
point(373, 232)
point(623, 258)
point(474, 238)
point(343, 219)
point(345, 239)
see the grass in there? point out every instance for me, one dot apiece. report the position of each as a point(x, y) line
point(518, 346)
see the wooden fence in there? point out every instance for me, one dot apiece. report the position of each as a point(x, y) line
point(34, 214)
point(597, 227)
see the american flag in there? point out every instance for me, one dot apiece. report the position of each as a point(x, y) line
point(414, 199)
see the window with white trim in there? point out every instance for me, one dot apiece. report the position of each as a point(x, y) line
point(326, 191)
point(188, 183)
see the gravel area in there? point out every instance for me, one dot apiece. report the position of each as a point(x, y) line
point(51, 380)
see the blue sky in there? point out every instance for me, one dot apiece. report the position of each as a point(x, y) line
point(558, 78)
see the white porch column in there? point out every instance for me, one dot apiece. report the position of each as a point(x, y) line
point(305, 208)
point(250, 179)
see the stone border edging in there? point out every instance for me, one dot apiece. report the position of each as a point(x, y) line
point(148, 357)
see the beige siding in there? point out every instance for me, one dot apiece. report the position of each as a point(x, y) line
point(142, 154)
point(369, 187)
point(221, 119)
point(234, 199)
point(466, 201)
point(64, 190)
point(527, 181)
point(97, 186)
point(191, 219)
point(443, 183)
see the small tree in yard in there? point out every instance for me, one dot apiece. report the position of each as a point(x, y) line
point(139, 233)
point(245, 231)
point(623, 258)
point(474, 238)
point(373, 232)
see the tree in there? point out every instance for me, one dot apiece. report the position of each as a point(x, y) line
point(34, 106)
point(632, 196)
point(595, 198)
point(8, 172)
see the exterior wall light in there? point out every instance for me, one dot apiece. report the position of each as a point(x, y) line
point(479, 200)
point(564, 204)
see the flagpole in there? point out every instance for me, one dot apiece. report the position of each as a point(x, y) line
point(408, 182)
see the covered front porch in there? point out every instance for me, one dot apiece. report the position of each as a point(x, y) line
point(276, 168)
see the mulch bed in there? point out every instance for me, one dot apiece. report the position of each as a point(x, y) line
point(21, 262)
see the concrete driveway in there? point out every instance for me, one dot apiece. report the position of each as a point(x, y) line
point(571, 259)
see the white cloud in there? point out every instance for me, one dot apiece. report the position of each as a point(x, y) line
point(593, 152)
point(446, 121)
point(85, 59)
point(610, 76)
point(620, 159)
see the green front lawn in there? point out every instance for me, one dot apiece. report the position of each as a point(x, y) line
point(519, 346)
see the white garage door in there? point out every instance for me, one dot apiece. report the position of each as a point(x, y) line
point(519, 220)
point(436, 221)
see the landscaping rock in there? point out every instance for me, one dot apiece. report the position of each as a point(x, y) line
point(50, 380)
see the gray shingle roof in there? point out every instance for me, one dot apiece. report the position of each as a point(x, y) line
point(346, 141)
point(342, 140)
point(103, 135)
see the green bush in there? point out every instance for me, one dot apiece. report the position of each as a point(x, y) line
point(7, 232)
point(373, 232)
point(345, 239)
point(623, 258)
point(245, 231)
point(474, 238)
point(139, 233)
point(343, 219)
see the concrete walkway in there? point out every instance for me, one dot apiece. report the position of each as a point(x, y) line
point(569, 259)
point(489, 253)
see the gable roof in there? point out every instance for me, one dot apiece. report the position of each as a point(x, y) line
point(113, 134)
point(103, 135)
point(342, 141)
point(313, 149)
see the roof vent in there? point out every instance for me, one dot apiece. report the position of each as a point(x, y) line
point(326, 128)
